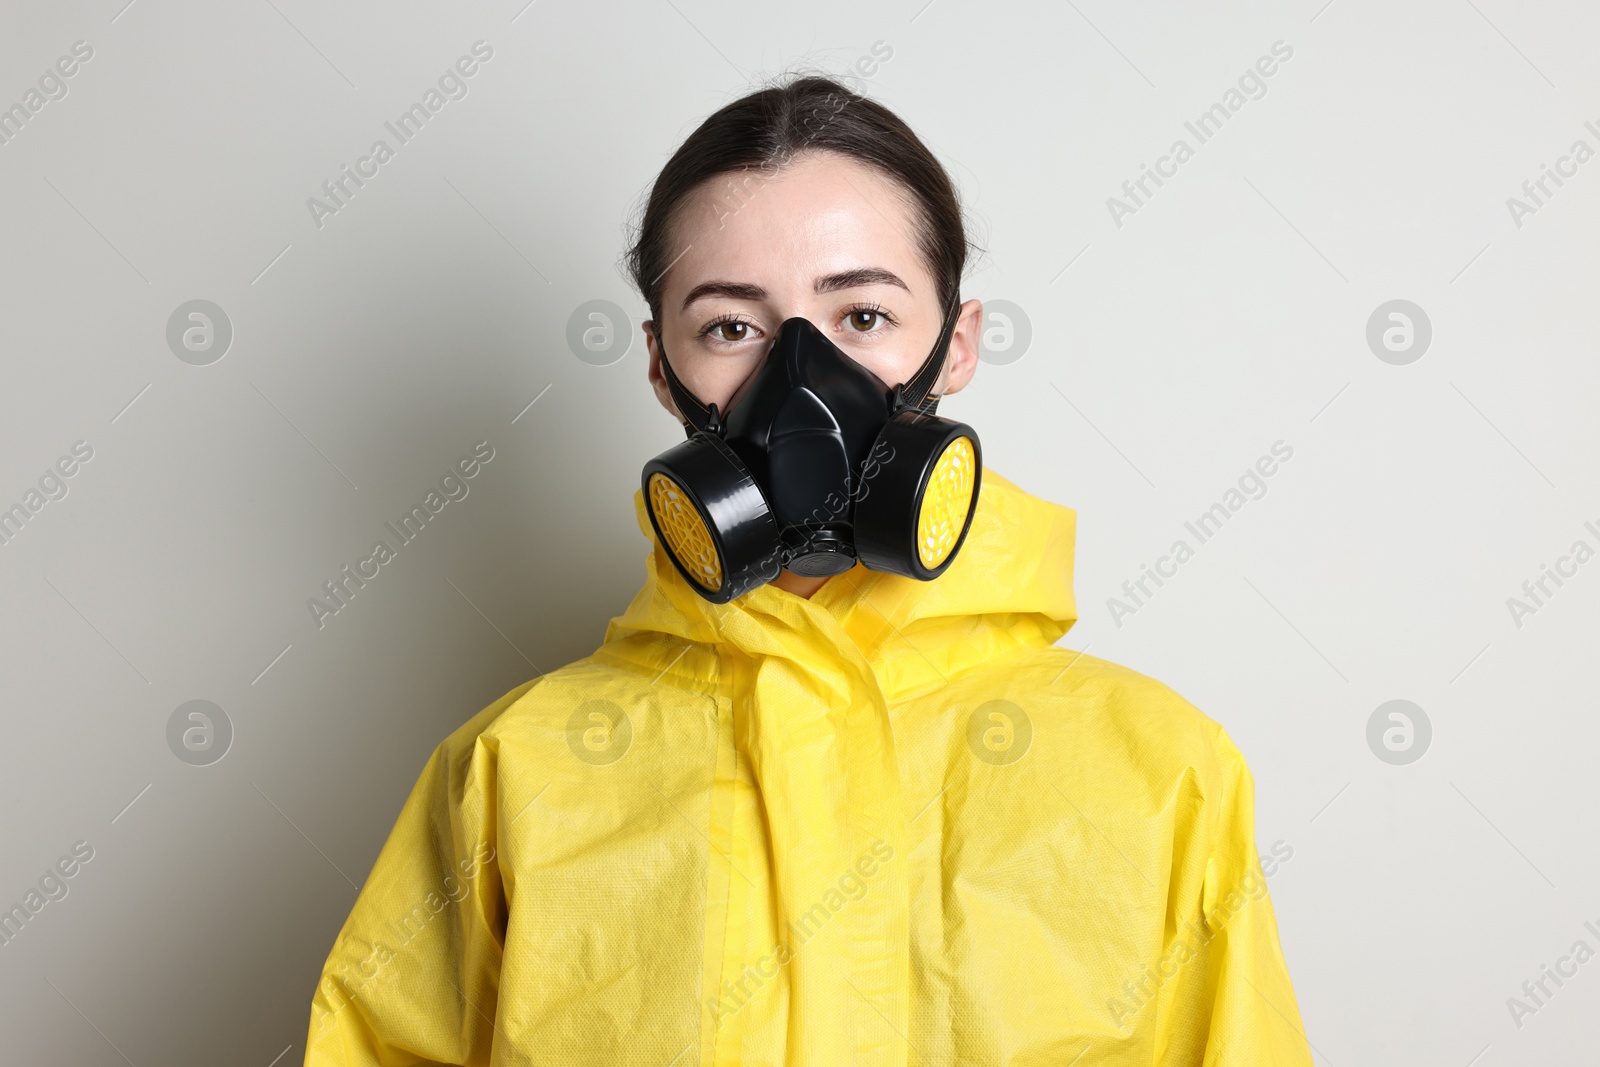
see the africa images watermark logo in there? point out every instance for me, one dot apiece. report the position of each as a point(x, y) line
point(52, 886)
point(1190, 941)
point(1537, 591)
point(599, 732)
point(344, 988)
point(452, 85)
point(199, 732)
point(52, 485)
point(52, 85)
point(199, 332)
point(1251, 85)
point(850, 886)
point(999, 732)
point(1537, 192)
point(342, 589)
point(1251, 485)
point(1566, 967)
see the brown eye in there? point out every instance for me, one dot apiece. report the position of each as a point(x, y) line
point(732, 331)
point(862, 320)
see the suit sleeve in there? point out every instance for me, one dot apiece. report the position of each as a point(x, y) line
point(414, 973)
point(1231, 1002)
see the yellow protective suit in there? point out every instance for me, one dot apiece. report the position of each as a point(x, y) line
point(891, 824)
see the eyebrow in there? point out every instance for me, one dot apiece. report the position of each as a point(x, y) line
point(848, 279)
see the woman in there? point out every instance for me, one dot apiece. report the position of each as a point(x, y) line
point(845, 816)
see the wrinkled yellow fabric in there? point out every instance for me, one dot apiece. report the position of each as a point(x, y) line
point(888, 825)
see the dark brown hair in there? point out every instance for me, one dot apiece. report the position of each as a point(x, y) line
point(766, 130)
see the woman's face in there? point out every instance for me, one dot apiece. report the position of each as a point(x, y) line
point(826, 239)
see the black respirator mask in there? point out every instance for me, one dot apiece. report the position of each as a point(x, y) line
point(816, 465)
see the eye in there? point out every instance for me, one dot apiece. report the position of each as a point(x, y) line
point(867, 318)
point(729, 330)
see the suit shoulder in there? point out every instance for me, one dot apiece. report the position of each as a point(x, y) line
point(1141, 713)
point(548, 702)
point(530, 702)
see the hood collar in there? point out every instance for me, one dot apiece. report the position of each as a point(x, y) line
point(1009, 588)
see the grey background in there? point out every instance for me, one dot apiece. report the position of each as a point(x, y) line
point(1167, 354)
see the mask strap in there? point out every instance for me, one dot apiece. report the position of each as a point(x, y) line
point(914, 393)
point(696, 416)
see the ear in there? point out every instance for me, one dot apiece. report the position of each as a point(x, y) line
point(962, 360)
point(658, 380)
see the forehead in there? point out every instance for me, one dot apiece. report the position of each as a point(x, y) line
point(821, 214)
